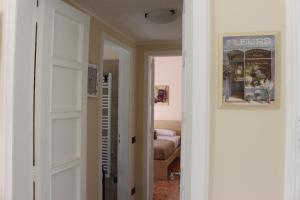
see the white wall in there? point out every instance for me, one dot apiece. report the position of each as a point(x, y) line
point(168, 71)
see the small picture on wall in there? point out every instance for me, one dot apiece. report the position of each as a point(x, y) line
point(161, 95)
point(92, 80)
point(249, 70)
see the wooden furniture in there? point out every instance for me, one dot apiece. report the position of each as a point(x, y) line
point(161, 166)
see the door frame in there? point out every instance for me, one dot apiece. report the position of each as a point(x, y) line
point(292, 160)
point(121, 48)
point(147, 156)
point(196, 117)
point(18, 69)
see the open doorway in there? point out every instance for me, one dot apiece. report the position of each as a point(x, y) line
point(115, 129)
point(164, 107)
point(167, 127)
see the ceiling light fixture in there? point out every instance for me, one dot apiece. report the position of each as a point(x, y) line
point(162, 16)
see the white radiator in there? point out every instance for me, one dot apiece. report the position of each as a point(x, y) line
point(106, 123)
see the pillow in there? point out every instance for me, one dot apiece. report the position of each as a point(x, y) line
point(165, 132)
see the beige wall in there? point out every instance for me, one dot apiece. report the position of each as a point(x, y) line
point(109, 54)
point(141, 50)
point(168, 71)
point(247, 146)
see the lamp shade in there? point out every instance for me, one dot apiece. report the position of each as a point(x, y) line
point(162, 16)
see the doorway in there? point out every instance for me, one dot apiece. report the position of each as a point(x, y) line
point(115, 128)
point(167, 127)
point(163, 106)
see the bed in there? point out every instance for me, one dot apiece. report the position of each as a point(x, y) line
point(166, 148)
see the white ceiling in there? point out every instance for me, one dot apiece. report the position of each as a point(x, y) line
point(128, 17)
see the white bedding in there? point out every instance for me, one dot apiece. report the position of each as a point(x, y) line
point(165, 132)
point(175, 139)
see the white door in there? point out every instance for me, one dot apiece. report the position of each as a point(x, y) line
point(151, 125)
point(61, 102)
point(124, 157)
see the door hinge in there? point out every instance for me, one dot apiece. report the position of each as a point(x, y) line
point(133, 191)
point(133, 140)
point(36, 3)
point(115, 179)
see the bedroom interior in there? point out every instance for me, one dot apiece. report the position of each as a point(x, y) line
point(167, 127)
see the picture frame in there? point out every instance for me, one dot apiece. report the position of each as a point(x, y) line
point(92, 81)
point(249, 70)
point(161, 95)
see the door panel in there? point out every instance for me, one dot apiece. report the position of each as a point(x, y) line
point(69, 34)
point(61, 100)
point(67, 180)
point(66, 89)
point(65, 139)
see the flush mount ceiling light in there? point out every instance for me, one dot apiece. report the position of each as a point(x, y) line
point(162, 16)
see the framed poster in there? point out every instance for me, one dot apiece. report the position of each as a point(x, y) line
point(249, 70)
point(161, 95)
point(92, 80)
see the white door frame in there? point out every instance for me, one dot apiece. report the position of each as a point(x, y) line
point(147, 127)
point(292, 163)
point(196, 117)
point(18, 67)
point(126, 108)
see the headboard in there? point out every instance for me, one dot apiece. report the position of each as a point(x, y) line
point(172, 125)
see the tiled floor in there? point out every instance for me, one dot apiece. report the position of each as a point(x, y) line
point(168, 190)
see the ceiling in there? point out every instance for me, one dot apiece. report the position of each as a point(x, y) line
point(128, 17)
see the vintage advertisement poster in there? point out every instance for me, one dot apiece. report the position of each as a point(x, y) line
point(249, 70)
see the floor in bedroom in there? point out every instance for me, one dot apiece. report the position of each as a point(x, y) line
point(168, 190)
